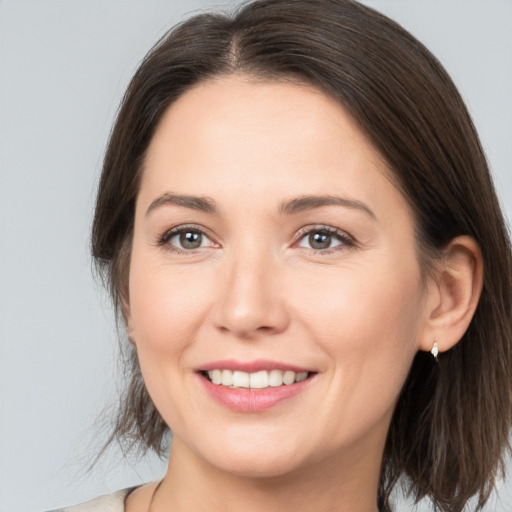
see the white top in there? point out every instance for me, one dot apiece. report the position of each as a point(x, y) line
point(109, 503)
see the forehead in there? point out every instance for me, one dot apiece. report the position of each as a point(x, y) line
point(243, 135)
point(269, 111)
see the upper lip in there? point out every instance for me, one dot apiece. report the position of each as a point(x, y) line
point(257, 365)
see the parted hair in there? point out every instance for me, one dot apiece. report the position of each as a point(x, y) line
point(449, 432)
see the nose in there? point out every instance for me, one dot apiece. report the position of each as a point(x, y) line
point(251, 300)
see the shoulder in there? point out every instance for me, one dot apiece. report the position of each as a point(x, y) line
point(109, 503)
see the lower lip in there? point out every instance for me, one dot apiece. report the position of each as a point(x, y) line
point(252, 400)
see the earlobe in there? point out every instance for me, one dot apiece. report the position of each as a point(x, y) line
point(435, 349)
point(456, 293)
point(128, 323)
point(130, 334)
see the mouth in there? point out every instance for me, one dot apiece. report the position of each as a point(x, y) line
point(263, 379)
point(253, 387)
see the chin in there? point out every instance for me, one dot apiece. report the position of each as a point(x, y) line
point(256, 460)
point(259, 467)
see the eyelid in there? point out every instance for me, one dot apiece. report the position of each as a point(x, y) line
point(345, 238)
point(168, 234)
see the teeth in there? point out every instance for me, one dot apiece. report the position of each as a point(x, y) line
point(216, 376)
point(240, 379)
point(256, 380)
point(275, 378)
point(227, 378)
point(301, 376)
point(288, 378)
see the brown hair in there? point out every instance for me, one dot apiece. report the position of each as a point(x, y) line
point(451, 424)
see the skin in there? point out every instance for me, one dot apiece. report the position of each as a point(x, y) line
point(355, 312)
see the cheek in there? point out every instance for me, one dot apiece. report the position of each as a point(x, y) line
point(166, 304)
point(167, 307)
point(358, 303)
point(367, 320)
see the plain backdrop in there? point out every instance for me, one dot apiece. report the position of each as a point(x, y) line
point(64, 65)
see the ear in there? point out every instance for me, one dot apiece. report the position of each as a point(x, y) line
point(129, 333)
point(453, 295)
point(127, 318)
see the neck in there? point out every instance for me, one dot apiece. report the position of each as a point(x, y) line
point(193, 484)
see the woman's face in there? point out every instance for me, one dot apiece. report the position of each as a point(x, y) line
point(269, 242)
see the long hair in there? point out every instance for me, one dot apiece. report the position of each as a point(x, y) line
point(451, 423)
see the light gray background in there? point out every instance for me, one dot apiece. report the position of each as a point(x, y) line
point(63, 68)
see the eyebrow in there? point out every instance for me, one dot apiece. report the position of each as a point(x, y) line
point(297, 205)
point(203, 204)
point(303, 203)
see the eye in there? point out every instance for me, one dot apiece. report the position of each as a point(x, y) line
point(185, 238)
point(188, 239)
point(324, 238)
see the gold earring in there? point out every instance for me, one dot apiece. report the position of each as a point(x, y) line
point(435, 350)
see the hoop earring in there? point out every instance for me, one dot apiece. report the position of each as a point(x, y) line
point(435, 350)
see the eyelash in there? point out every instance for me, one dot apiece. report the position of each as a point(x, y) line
point(171, 233)
point(346, 241)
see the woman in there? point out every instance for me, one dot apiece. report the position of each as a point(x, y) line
point(300, 233)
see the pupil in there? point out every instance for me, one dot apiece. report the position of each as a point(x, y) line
point(319, 240)
point(190, 240)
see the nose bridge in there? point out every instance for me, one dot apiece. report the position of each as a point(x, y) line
point(251, 300)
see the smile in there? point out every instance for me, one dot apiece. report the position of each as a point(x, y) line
point(255, 380)
point(253, 387)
